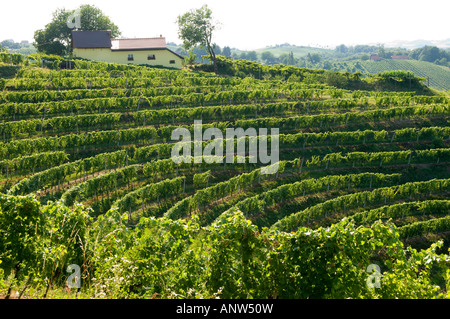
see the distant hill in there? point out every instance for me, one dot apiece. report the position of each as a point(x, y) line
point(298, 51)
point(23, 47)
point(443, 44)
point(276, 50)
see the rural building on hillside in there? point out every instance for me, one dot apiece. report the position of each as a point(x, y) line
point(375, 57)
point(399, 57)
point(98, 46)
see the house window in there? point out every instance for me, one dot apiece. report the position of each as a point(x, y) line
point(151, 57)
point(172, 62)
point(130, 57)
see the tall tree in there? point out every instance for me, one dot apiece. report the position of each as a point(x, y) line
point(196, 27)
point(341, 49)
point(288, 58)
point(252, 56)
point(315, 58)
point(226, 51)
point(55, 37)
point(268, 58)
point(382, 52)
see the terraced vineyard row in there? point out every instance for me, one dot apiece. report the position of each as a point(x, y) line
point(87, 160)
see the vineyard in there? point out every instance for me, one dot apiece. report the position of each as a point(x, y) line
point(436, 76)
point(87, 178)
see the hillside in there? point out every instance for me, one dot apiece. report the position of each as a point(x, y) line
point(92, 175)
point(436, 76)
point(298, 51)
point(445, 44)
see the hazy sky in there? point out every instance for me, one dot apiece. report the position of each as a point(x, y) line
point(250, 24)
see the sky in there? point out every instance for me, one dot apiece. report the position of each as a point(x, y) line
point(250, 24)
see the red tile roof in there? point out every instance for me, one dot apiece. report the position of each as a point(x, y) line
point(138, 44)
point(375, 57)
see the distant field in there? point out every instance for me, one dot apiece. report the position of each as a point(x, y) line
point(298, 51)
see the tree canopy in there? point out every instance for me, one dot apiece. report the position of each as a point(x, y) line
point(55, 37)
point(430, 54)
point(268, 58)
point(196, 27)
